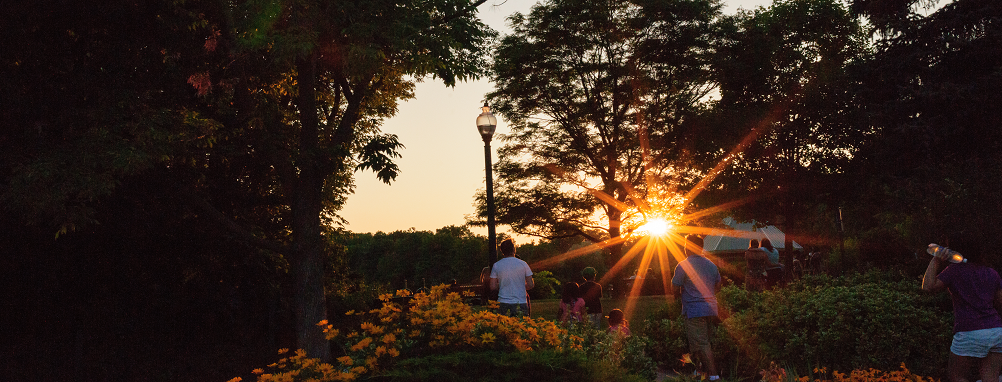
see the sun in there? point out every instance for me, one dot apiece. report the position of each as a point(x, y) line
point(656, 227)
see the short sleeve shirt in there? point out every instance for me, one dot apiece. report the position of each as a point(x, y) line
point(698, 278)
point(592, 293)
point(511, 273)
point(972, 288)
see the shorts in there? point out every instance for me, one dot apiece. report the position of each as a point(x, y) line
point(514, 310)
point(977, 343)
point(699, 331)
point(595, 319)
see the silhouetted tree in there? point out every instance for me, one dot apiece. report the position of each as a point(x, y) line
point(596, 93)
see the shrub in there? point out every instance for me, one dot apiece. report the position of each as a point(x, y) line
point(852, 322)
point(870, 320)
point(777, 374)
point(544, 365)
point(436, 335)
point(629, 353)
point(546, 286)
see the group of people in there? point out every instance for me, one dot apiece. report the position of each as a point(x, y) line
point(512, 278)
point(975, 289)
point(764, 270)
point(696, 281)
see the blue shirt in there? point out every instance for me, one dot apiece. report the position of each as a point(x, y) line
point(698, 277)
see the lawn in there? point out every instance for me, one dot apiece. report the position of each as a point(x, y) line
point(643, 306)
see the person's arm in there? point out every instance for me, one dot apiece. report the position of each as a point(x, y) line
point(756, 254)
point(529, 283)
point(494, 283)
point(929, 281)
point(998, 301)
point(677, 279)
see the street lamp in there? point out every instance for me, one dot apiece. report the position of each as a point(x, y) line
point(486, 123)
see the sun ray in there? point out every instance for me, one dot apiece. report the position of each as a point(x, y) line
point(546, 263)
point(712, 210)
point(764, 125)
point(616, 268)
point(666, 271)
point(707, 231)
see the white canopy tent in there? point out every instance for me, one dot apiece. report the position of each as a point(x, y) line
point(739, 241)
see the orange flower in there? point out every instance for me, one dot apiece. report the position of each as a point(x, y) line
point(686, 359)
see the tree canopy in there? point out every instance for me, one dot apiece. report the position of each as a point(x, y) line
point(597, 94)
point(256, 114)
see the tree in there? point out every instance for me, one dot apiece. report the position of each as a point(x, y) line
point(450, 253)
point(597, 93)
point(932, 163)
point(257, 112)
point(788, 90)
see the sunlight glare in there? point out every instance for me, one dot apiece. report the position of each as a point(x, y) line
point(656, 227)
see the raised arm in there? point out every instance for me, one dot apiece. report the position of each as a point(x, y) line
point(929, 280)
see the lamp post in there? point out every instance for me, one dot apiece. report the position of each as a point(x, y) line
point(486, 123)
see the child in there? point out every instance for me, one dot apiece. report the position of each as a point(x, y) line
point(618, 323)
point(571, 303)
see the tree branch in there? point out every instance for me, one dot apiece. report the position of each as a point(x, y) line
point(239, 232)
point(462, 13)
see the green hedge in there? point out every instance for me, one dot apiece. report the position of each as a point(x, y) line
point(873, 320)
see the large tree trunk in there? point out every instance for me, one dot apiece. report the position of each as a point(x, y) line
point(615, 251)
point(307, 258)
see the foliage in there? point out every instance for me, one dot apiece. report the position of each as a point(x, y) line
point(419, 257)
point(593, 90)
point(788, 115)
point(435, 334)
point(546, 286)
point(871, 321)
point(778, 374)
point(545, 365)
point(257, 113)
point(930, 94)
point(629, 353)
point(568, 269)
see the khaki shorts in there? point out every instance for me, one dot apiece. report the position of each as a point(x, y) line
point(699, 331)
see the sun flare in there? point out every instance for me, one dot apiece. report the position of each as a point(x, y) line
point(656, 227)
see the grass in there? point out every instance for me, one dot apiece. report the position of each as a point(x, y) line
point(643, 306)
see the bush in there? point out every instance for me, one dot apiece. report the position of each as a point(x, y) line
point(546, 365)
point(861, 321)
point(436, 336)
point(852, 322)
point(546, 286)
point(629, 353)
point(777, 374)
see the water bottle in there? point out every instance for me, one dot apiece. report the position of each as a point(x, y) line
point(954, 256)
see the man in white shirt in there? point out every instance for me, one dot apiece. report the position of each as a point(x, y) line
point(511, 277)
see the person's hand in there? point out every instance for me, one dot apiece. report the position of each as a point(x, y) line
point(943, 253)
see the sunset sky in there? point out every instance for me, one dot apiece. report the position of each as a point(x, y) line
point(443, 163)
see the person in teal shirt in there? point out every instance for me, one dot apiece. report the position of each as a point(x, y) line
point(696, 281)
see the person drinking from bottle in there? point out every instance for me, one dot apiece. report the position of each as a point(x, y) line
point(976, 291)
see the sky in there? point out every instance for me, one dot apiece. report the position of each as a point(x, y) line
point(442, 165)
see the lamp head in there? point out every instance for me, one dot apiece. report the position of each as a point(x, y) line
point(486, 123)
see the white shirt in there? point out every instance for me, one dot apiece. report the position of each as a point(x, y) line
point(511, 273)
